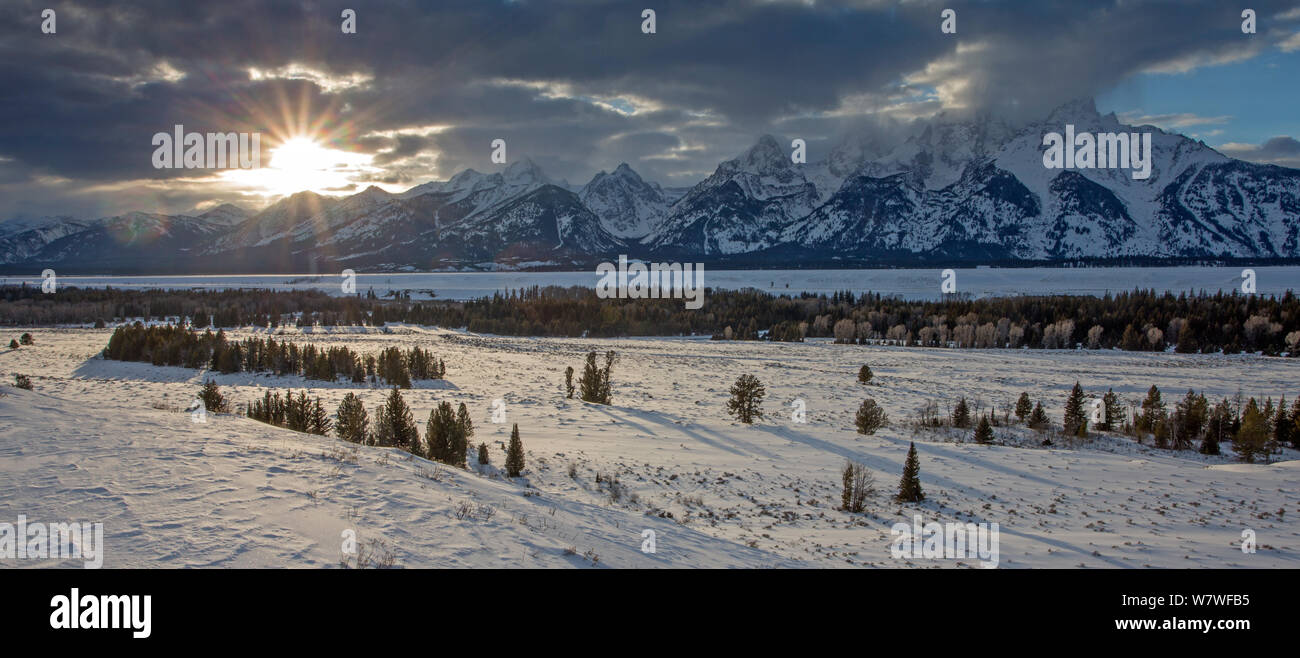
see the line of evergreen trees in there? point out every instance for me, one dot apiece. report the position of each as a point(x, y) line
point(1254, 429)
point(301, 414)
point(176, 345)
point(446, 439)
point(1140, 320)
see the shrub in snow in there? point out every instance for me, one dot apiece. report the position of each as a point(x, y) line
point(746, 399)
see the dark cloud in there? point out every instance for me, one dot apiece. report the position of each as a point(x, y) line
point(1283, 151)
point(573, 84)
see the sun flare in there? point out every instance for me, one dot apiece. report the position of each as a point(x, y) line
point(302, 163)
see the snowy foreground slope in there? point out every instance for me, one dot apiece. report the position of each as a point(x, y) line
point(105, 441)
point(237, 493)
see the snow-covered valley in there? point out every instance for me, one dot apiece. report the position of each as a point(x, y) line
point(107, 441)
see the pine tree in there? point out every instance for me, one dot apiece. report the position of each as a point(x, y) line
point(1074, 422)
point(353, 424)
point(464, 432)
point(320, 419)
point(483, 458)
point(394, 425)
point(746, 399)
point(1217, 428)
point(909, 488)
point(1253, 435)
point(606, 385)
point(568, 382)
point(212, 398)
point(865, 374)
point(1038, 419)
point(1023, 407)
point(515, 453)
point(961, 414)
point(440, 435)
point(1190, 417)
point(1153, 411)
point(589, 384)
point(870, 417)
point(1282, 424)
point(984, 432)
point(1114, 411)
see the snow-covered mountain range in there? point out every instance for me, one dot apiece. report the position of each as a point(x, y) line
point(962, 191)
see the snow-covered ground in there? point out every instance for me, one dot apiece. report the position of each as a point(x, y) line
point(105, 441)
point(907, 283)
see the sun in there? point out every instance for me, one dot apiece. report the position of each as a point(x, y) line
point(302, 164)
point(300, 155)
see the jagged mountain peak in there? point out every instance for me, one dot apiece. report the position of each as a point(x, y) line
point(1074, 110)
point(628, 206)
point(525, 171)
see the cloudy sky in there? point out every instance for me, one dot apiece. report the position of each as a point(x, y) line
point(422, 88)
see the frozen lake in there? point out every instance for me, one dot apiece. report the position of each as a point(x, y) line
point(907, 283)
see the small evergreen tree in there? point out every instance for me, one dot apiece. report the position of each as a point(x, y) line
point(568, 382)
point(320, 419)
point(1074, 422)
point(1113, 411)
point(483, 458)
point(865, 374)
point(353, 424)
point(1038, 419)
point(22, 381)
point(13, 344)
point(909, 488)
point(1153, 411)
point(464, 432)
point(515, 453)
point(1252, 437)
point(870, 417)
point(1282, 424)
point(1023, 407)
point(984, 432)
point(25, 339)
point(961, 414)
point(394, 425)
point(746, 399)
point(1217, 428)
point(440, 435)
point(589, 384)
point(212, 398)
point(606, 385)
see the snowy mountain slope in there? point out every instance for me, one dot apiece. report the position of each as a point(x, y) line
point(958, 189)
point(226, 214)
point(628, 207)
point(21, 240)
point(742, 207)
point(132, 238)
point(1005, 204)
